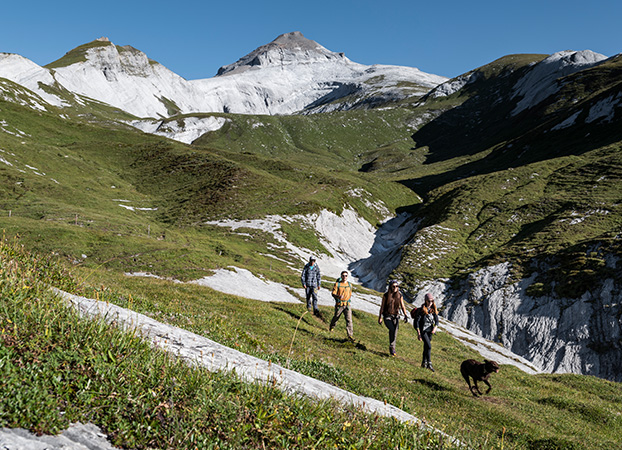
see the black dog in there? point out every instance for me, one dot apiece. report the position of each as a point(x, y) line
point(479, 372)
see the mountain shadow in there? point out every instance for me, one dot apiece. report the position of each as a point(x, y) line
point(577, 118)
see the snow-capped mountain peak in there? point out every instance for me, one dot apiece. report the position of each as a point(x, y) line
point(291, 74)
point(286, 49)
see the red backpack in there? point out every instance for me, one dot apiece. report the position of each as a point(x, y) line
point(415, 313)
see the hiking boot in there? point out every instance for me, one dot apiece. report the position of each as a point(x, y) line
point(430, 367)
point(351, 338)
point(424, 365)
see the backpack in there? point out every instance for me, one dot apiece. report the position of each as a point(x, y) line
point(415, 313)
point(338, 285)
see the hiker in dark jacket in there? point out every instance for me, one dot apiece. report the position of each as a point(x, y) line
point(426, 327)
point(392, 303)
point(311, 281)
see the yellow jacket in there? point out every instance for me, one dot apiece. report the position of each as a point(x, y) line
point(342, 292)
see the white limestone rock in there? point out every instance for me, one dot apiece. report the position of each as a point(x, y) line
point(289, 75)
point(558, 335)
point(543, 80)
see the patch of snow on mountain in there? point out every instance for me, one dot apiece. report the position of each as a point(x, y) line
point(354, 244)
point(543, 78)
point(243, 283)
point(184, 130)
point(348, 237)
point(146, 125)
point(385, 253)
point(604, 110)
point(135, 208)
point(18, 94)
point(452, 86)
point(28, 74)
point(391, 76)
point(77, 437)
point(567, 123)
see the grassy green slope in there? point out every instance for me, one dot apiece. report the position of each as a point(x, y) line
point(334, 140)
point(536, 211)
point(66, 186)
point(123, 386)
point(523, 191)
point(59, 369)
point(502, 196)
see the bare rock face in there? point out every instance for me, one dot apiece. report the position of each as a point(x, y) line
point(557, 335)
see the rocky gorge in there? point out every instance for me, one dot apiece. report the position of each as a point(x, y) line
point(558, 335)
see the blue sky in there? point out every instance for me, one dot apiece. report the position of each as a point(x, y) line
point(195, 37)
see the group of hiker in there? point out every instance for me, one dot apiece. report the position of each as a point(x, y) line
point(425, 318)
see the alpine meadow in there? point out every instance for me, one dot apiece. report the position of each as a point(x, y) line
point(195, 204)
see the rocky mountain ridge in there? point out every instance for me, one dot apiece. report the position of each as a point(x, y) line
point(289, 75)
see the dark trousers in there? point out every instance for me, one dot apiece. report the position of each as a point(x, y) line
point(392, 323)
point(426, 337)
point(311, 297)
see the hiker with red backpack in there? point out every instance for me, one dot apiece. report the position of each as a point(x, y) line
point(392, 303)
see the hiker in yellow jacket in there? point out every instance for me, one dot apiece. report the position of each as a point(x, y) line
point(342, 291)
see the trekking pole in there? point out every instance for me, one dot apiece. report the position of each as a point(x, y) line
point(294, 337)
